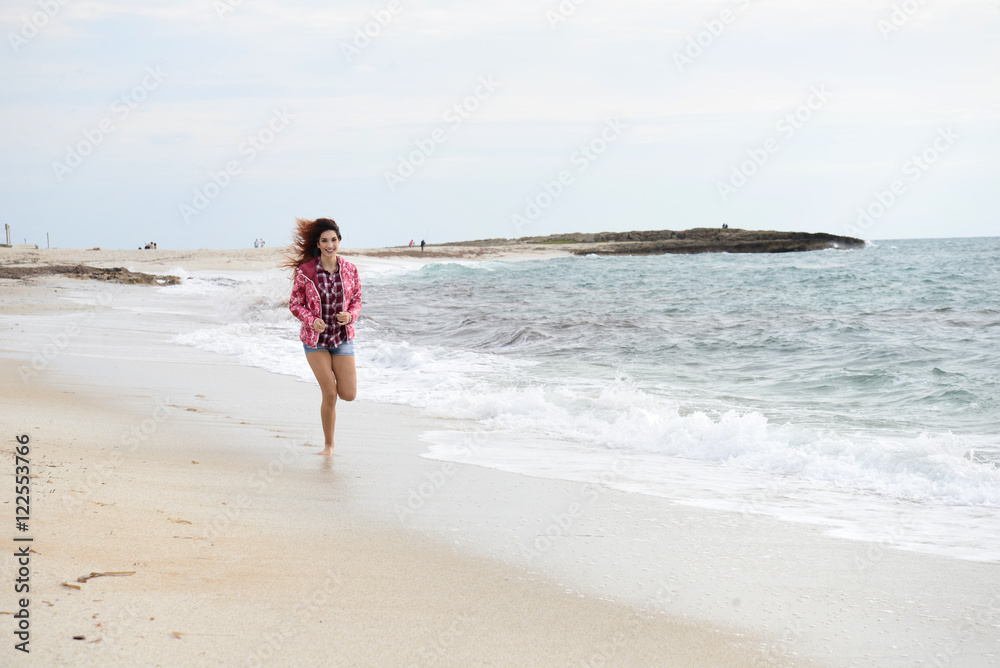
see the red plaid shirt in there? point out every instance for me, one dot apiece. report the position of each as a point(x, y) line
point(331, 296)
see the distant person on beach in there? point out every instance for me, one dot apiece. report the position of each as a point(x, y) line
point(326, 297)
point(411, 243)
point(421, 245)
point(256, 243)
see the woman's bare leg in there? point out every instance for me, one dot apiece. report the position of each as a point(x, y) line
point(346, 375)
point(322, 368)
point(337, 377)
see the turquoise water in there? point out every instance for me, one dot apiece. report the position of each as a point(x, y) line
point(902, 337)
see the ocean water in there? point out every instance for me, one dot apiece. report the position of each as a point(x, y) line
point(857, 390)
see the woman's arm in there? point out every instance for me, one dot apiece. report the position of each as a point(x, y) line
point(354, 304)
point(297, 302)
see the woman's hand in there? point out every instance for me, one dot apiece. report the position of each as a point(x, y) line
point(319, 326)
point(343, 318)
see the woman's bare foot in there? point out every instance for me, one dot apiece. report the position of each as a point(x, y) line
point(328, 450)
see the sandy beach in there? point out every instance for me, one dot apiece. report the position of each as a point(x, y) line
point(194, 480)
point(250, 259)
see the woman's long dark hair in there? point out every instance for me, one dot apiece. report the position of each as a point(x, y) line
point(304, 239)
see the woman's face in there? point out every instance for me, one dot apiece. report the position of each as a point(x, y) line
point(328, 243)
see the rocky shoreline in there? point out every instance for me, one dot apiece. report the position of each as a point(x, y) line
point(113, 274)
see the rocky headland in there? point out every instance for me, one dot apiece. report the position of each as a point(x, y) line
point(697, 240)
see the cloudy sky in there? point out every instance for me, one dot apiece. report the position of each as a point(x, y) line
point(207, 124)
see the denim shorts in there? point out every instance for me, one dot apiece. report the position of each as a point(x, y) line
point(345, 348)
